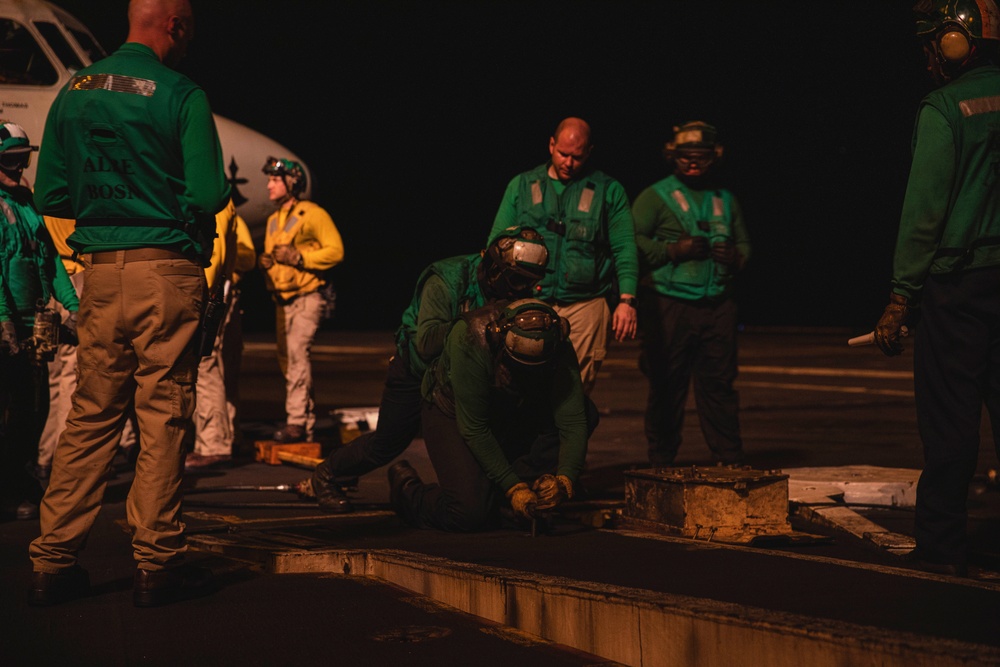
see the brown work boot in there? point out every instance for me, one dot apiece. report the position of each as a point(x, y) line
point(27, 511)
point(291, 433)
point(49, 588)
point(153, 588)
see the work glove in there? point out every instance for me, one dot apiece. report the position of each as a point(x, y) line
point(552, 490)
point(522, 500)
point(725, 253)
point(68, 332)
point(890, 327)
point(265, 261)
point(287, 254)
point(688, 247)
point(8, 337)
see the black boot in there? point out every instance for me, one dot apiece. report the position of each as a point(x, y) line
point(401, 476)
point(291, 433)
point(329, 494)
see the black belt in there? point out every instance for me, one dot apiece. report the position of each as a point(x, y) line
point(135, 255)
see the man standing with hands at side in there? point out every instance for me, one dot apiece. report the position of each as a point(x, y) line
point(131, 153)
point(585, 218)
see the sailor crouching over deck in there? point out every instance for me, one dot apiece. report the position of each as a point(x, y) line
point(504, 408)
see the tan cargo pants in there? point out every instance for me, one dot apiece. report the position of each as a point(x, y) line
point(136, 324)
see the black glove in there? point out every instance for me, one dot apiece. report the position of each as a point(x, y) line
point(8, 337)
point(265, 261)
point(888, 331)
point(725, 252)
point(68, 333)
point(688, 247)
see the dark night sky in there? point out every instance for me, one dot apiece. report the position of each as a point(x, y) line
point(413, 116)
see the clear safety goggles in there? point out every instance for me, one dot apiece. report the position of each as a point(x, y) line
point(530, 322)
point(701, 158)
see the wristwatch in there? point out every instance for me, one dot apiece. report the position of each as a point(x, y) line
point(627, 300)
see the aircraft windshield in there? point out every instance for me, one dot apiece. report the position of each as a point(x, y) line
point(87, 43)
point(65, 52)
point(22, 60)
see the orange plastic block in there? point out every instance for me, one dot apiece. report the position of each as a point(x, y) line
point(267, 450)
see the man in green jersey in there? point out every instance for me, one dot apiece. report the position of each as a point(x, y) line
point(947, 264)
point(131, 152)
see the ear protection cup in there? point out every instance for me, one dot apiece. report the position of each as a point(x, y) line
point(564, 328)
point(954, 46)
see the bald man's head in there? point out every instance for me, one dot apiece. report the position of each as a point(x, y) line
point(569, 147)
point(575, 127)
point(166, 26)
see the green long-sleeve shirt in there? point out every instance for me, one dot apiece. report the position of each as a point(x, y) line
point(435, 318)
point(486, 413)
point(950, 219)
point(130, 151)
point(445, 289)
point(30, 268)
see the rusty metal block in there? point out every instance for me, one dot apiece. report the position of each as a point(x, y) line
point(726, 504)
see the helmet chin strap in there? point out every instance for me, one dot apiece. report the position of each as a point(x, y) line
point(288, 198)
point(7, 180)
point(944, 70)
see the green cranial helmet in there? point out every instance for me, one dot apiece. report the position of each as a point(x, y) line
point(15, 149)
point(952, 27)
point(13, 138)
point(290, 171)
point(514, 262)
point(530, 331)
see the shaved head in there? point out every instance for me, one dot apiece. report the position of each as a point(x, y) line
point(569, 147)
point(144, 14)
point(166, 26)
point(577, 130)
